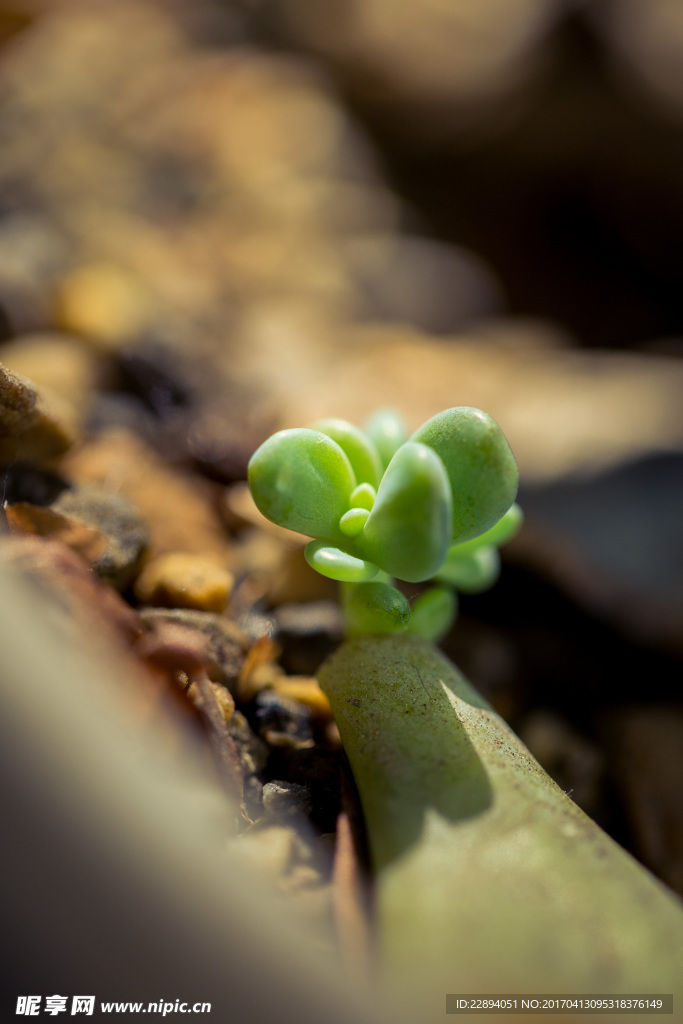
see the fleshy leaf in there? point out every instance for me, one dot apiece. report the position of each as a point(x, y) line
point(337, 564)
point(480, 466)
point(353, 521)
point(408, 531)
point(433, 613)
point(501, 533)
point(471, 572)
point(363, 496)
point(388, 432)
point(359, 449)
point(301, 479)
point(375, 608)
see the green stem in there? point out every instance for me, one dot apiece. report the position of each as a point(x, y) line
point(489, 878)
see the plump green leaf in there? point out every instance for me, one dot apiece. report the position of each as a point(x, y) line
point(408, 531)
point(471, 571)
point(337, 564)
point(480, 466)
point(301, 479)
point(504, 530)
point(353, 521)
point(359, 449)
point(375, 608)
point(433, 613)
point(388, 432)
point(363, 496)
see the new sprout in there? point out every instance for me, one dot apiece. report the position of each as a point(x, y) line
point(381, 505)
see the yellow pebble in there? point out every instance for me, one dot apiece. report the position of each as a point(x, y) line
point(306, 691)
point(103, 302)
point(183, 580)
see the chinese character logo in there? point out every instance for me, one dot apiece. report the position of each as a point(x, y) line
point(28, 1005)
point(82, 1004)
point(55, 1004)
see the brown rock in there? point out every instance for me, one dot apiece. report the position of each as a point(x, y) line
point(58, 363)
point(33, 428)
point(224, 642)
point(178, 511)
point(118, 521)
point(24, 518)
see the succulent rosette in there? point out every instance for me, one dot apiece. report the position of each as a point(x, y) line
point(378, 501)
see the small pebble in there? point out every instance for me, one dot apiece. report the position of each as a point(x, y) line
point(304, 690)
point(183, 580)
point(226, 643)
point(61, 365)
point(102, 302)
point(223, 698)
point(284, 800)
point(32, 428)
point(119, 521)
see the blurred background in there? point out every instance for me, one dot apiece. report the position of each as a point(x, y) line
point(223, 217)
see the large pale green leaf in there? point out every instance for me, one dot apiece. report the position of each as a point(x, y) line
point(408, 530)
point(480, 466)
point(301, 479)
point(489, 879)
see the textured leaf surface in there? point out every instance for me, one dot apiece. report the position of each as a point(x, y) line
point(489, 877)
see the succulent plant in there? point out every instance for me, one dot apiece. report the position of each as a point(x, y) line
point(380, 504)
point(486, 873)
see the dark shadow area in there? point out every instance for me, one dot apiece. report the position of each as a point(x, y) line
point(574, 198)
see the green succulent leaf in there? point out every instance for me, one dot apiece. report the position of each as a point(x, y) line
point(301, 479)
point(433, 613)
point(337, 564)
point(504, 530)
point(408, 530)
point(387, 431)
point(480, 466)
point(363, 496)
point(359, 449)
point(471, 572)
point(375, 608)
point(353, 521)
